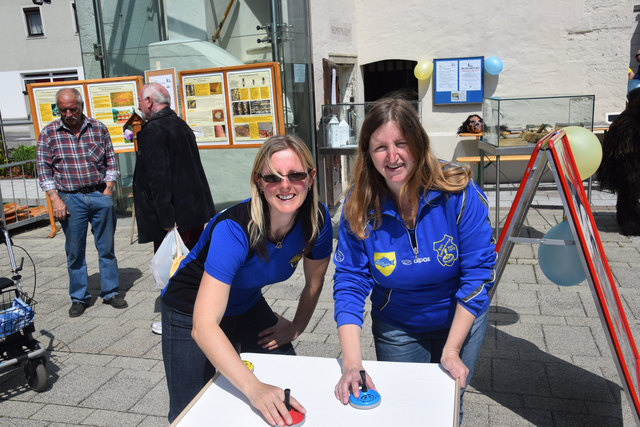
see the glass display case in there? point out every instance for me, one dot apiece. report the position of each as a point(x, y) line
point(520, 121)
point(338, 142)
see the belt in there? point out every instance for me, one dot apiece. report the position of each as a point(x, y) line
point(89, 189)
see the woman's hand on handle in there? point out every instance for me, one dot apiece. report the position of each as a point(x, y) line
point(351, 381)
point(269, 400)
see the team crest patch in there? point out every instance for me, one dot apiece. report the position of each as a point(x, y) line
point(447, 251)
point(385, 262)
point(294, 261)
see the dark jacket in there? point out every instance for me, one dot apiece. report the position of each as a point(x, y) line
point(169, 183)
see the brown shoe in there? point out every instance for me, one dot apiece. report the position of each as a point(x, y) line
point(116, 301)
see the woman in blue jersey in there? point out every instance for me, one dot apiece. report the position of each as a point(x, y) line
point(415, 233)
point(213, 306)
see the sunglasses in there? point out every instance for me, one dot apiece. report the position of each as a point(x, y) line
point(292, 177)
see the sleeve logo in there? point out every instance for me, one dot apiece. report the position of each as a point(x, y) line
point(385, 262)
point(447, 251)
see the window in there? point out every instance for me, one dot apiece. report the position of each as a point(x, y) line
point(74, 13)
point(46, 77)
point(33, 21)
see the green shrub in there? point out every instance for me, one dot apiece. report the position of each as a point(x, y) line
point(22, 153)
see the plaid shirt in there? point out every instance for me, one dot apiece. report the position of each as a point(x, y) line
point(66, 163)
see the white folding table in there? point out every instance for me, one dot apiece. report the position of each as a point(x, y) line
point(410, 393)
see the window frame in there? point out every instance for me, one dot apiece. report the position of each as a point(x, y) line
point(26, 12)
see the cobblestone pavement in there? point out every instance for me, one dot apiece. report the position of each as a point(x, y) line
point(545, 359)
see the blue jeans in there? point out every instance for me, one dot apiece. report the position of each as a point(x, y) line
point(96, 209)
point(396, 345)
point(187, 368)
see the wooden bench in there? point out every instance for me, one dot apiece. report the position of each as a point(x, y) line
point(511, 158)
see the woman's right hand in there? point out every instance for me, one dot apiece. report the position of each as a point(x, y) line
point(269, 400)
point(351, 380)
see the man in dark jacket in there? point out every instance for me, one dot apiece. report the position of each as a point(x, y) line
point(169, 184)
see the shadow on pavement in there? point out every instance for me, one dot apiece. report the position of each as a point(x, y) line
point(539, 387)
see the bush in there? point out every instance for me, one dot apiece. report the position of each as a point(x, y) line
point(22, 153)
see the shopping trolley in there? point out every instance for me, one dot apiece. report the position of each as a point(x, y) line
point(17, 345)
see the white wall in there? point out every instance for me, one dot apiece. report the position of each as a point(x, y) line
point(547, 47)
point(58, 50)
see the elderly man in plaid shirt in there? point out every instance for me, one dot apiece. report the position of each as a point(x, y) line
point(77, 168)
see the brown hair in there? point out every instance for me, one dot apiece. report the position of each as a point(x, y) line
point(369, 189)
point(308, 213)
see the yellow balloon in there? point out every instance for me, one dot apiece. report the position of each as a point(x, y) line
point(423, 70)
point(586, 150)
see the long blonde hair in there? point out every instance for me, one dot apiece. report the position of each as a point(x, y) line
point(309, 213)
point(368, 187)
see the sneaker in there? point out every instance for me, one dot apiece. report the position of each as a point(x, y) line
point(156, 328)
point(116, 301)
point(76, 309)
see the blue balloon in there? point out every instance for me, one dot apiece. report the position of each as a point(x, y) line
point(493, 65)
point(561, 264)
point(633, 84)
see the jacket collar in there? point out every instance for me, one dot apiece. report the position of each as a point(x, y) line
point(390, 208)
point(166, 111)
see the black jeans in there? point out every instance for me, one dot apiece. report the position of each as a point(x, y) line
point(186, 366)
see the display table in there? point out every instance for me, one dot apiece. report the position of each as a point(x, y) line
point(410, 393)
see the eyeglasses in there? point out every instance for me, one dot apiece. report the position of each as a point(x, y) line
point(292, 177)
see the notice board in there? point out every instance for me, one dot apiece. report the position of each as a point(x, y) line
point(110, 101)
point(232, 107)
point(458, 80)
point(167, 78)
point(554, 151)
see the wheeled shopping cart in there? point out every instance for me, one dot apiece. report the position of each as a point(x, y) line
point(17, 345)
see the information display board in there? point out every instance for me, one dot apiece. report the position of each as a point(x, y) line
point(458, 80)
point(112, 104)
point(167, 78)
point(111, 101)
point(233, 107)
point(43, 103)
point(554, 151)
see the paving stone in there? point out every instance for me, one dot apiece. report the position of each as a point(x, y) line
point(77, 385)
point(503, 416)
point(113, 418)
point(62, 414)
point(570, 340)
point(18, 409)
point(155, 403)
point(530, 375)
point(122, 390)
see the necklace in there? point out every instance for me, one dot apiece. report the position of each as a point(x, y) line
point(278, 238)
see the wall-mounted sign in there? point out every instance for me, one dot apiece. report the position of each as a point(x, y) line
point(458, 80)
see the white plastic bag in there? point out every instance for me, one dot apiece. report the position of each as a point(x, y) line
point(166, 260)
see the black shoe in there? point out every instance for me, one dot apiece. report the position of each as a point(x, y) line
point(77, 308)
point(116, 302)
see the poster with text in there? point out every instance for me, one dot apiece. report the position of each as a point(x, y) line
point(167, 79)
point(45, 103)
point(205, 107)
point(113, 104)
point(251, 105)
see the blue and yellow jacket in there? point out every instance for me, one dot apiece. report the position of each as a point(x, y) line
point(416, 281)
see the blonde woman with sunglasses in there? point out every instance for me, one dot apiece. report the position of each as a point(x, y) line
point(213, 306)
